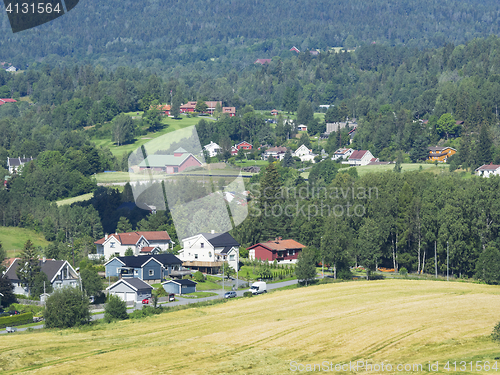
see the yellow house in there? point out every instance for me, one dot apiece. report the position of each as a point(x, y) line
point(440, 154)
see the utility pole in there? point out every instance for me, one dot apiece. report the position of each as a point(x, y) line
point(447, 261)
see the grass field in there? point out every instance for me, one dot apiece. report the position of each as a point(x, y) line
point(13, 239)
point(173, 125)
point(406, 167)
point(395, 322)
point(80, 198)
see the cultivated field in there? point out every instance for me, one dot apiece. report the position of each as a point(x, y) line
point(391, 321)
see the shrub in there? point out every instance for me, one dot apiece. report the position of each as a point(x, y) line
point(116, 309)
point(146, 311)
point(198, 277)
point(16, 320)
point(403, 271)
point(66, 307)
point(247, 294)
point(495, 335)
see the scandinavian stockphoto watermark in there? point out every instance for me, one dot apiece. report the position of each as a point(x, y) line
point(310, 201)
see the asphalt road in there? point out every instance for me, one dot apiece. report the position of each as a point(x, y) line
point(181, 301)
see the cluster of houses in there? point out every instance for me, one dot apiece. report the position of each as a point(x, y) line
point(190, 107)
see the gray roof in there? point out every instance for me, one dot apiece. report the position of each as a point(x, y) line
point(16, 162)
point(181, 282)
point(221, 240)
point(49, 267)
point(138, 261)
point(137, 284)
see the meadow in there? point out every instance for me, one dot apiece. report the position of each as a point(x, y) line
point(14, 238)
point(406, 322)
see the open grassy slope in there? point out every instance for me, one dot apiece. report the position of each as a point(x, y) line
point(13, 239)
point(396, 321)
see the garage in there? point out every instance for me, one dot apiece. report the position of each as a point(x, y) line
point(130, 289)
point(183, 286)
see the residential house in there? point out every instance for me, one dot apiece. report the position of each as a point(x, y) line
point(277, 152)
point(283, 251)
point(188, 107)
point(11, 69)
point(262, 61)
point(304, 154)
point(130, 290)
point(150, 268)
point(360, 157)
point(165, 109)
point(15, 164)
point(342, 153)
point(231, 111)
point(294, 49)
point(441, 154)
point(3, 101)
point(213, 149)
point(244, 145)
point(302, 128)
point(208, 251)
point(59, 273)
point(183, 286)
point(211, 105)
point(170, 164)
point(141, 243)
point(314, 52)
point(274, 112)
point(488, 170)
point(234, 150)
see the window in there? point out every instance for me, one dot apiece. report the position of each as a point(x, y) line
point(112, 244)
point(151, 272)
point(176, 169)
point(202, 245)
point(136, 272)
point(231, 257)
point(210, 254)
point(195, 256)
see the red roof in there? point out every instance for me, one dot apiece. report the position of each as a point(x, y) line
point(3, 101)
point(147, 249)
point(358, 154)
point(262, 61)
point(132, 237)
point(488, 167)
point(281, 244)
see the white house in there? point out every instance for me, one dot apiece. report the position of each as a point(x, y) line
point(302, 128)
point(59, 273)
point(141, 243)
point(15, 164)
point(207, 251)
point(213, 149)
point(304, 154)
point(276, 152)
point(11, 69)
point(360, 157)
point(487, 170)
point(342, 153)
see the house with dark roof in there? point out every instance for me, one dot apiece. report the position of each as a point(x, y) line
point(277, 152)
point(283, 251)
point(360, 157)
point(208, 251)
point(130, 290)
point(141, 243)
point(441, 154)
point(488, 170)
point(183, 286)
point(178, 162)
point(150, 268)
point(15, 164)
point(59, 273)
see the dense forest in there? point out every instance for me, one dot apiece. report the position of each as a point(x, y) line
point(175, 35)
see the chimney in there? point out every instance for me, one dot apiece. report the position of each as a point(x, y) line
point(106, 236)
point(212, 231)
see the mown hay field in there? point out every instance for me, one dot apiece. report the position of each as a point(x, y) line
point(394, 321)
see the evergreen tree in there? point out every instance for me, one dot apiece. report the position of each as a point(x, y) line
point(287, 159)
point(40, 285)
point(419, 152)
point(304, 140)
point(270, 186)
point(306, 265)
point(483, 148)
point(488, 266)
point(28, 265)
point(3, 255)
point(91, 281)
point(201, 106)
point(175, 107)
point(290, 99)
point(304, 113)
point(124, 225)
point(7, 289)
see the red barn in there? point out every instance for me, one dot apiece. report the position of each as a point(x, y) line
point(278, 249)
point(178, 162)
point(188, 107)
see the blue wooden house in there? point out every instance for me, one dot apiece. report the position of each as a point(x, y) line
point(182, 286)
point(150, 268)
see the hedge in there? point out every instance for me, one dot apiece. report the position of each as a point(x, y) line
point(16, 320)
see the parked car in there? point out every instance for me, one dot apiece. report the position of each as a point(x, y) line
point(171, 297)
point(145, 301)
point(230, 294)
point(11, 329)
point(14, 312)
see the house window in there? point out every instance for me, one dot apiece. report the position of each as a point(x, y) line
point(231, 257)
point(136, 272)
point(151, 272)
point(210, 254)
point(176, 169)
point(202, 245)
point(112, 244)
point(195, 256)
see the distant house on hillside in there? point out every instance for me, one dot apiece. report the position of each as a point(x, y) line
point(262, 61)
point(360, 157)
point(342, 153)
point(178, 162)
point(231, 111)
point(244, 145)
point(3, 101)
point(304, 154)
point(488, 170)
point(15, 164)
point(302, 128)
point(441, 154)
point(150, 268)
point(294, 49)
point(274, 112)
point(59, 273)
point(283, 251)
point(213, 149)
point(141, 243)
point(277, 153)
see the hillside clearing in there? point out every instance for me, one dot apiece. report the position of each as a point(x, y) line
point(395, 321)
point(14, 238)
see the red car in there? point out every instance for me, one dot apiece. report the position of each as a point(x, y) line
point(145, 301)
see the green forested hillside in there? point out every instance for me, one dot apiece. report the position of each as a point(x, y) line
point(164, 34)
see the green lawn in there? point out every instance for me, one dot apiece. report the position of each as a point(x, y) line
point(406, 167)
point(173, 125)
point(251, 163)
point(110, 177)
point(199, 294)
point(13, 239)
point(80, 198)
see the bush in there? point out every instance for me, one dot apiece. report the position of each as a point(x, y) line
point(115, 309)
point(495, 335)
point(198, 277)
point(146, 311)
point(66, 307)
point(16, 320)
point(247, 294)
point(403, 271)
